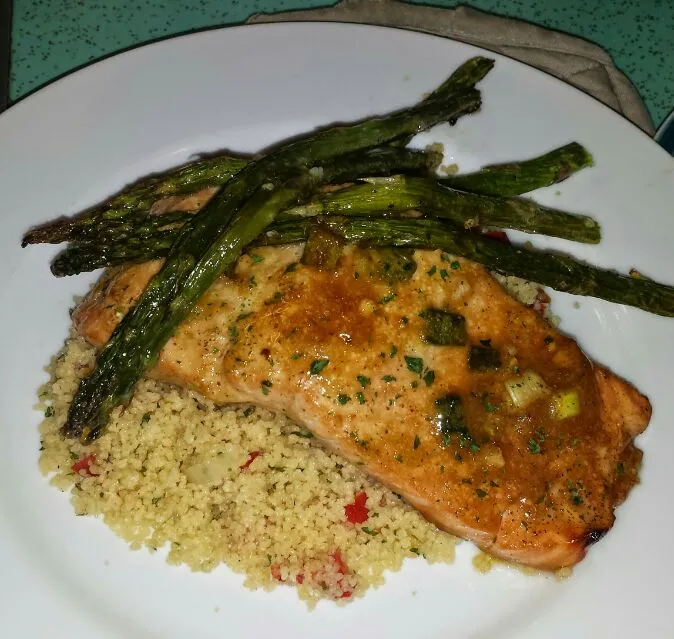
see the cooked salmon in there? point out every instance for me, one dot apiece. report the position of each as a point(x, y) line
point(506, 434)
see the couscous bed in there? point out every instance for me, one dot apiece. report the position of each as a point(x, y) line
point(243, 487)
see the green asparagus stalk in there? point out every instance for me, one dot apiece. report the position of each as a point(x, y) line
point(515, 178)
point(401, 193)
point(113, 225)
point(89, 256)
point(213, 171)
point(560, 272)
point(82, 258)
point(211, 241)
point(139, 197)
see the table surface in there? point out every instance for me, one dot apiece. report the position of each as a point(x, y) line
point(52, 37)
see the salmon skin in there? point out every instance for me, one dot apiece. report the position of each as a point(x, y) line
point(348, 356)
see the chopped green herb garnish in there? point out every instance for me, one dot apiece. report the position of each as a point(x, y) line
point(398, 458)
point(74, 456)
point(389, 378)
point(429, 377)
point(620, 470)
point(291, 268)
point(342, 399)
point(215, 350)
point(296, 355)
point(417, 442)
point(443, 273)
point(455, 265)
point(389, 297)
point(156, 500)
point(363, 443)
point(249, 411)
point(487, 405)
point(360, 397)
point(534, 447)
point(276, 297)
point(251, 282)
point(145, 418)
point(256, 258)
point(363, 380)
point(266, 386)
point(369, 531)
point(394, 350)
point(431, 271)
point(243, 316)
point(279, 469)
point(415, 551)
point(414, 364)
point(576, 499)
point(233, 333)
point(414, 384)
point(318, 365)
point(49, 411)
point(442, 468)
point(480, 493)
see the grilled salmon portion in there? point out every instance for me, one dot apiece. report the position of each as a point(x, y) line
point(504, 433)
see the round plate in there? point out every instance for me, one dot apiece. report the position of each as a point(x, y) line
point(82, 138)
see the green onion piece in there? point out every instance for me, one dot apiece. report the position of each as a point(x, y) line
point(484, 358)
point(444, 328)
point(566, 404)
point(323, 249)
point(526, 388)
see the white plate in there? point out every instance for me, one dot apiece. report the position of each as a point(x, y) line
point(83, 137)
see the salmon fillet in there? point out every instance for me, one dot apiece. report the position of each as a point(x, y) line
point(344, 355)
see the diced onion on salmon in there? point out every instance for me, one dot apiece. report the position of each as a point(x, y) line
point(566, 404)
point(526, 388)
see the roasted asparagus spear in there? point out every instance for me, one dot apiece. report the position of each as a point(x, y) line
point(515, 178)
